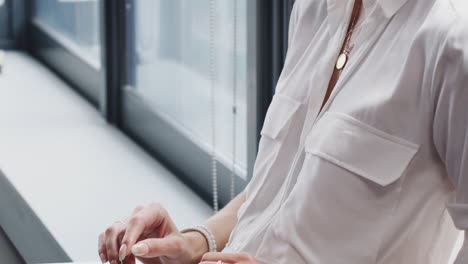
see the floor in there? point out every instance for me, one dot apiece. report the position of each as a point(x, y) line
point(78, 173)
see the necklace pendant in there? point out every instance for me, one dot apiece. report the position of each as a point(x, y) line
point(341, 61)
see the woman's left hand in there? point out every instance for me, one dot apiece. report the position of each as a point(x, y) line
point(228, 258)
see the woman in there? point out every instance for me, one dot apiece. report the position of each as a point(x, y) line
point(363, 151)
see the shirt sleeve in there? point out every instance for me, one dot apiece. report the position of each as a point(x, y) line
point(292, 22)
point(450, 129)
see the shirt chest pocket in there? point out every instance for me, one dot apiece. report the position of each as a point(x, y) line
point(360, 149)
point(345, 192)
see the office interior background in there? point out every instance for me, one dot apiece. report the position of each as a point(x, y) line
point(108, 104)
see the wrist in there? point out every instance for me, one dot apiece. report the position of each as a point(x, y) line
point(198, 245)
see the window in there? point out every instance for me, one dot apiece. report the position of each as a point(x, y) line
point(12, 24)
point(75, 23)
point(188, 78)
point(190, 81)
point(4, 21)
point(179, 60)
point(66, 35)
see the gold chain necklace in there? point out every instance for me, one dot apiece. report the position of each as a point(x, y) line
point(343, 57)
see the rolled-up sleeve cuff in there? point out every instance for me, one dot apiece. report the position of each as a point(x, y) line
point(459, 213)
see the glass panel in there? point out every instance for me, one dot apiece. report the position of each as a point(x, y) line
point(75, 21)
point(4, 20)
point(181, 50)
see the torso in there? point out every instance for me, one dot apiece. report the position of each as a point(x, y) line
point(346, 170)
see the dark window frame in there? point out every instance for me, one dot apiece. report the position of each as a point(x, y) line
point(16, 25)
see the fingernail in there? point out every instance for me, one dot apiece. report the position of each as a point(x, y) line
point(122, 252)
point(114, 262)
point(103, 258)
point(140, 249)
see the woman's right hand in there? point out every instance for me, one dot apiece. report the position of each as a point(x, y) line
point(150, 235)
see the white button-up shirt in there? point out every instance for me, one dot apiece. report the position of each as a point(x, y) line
point(375, 175)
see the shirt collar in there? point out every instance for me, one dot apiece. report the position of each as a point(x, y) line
point(338, 8)
point(389, 7)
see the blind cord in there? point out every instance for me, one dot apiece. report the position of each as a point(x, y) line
point(234, 101)
point(214, 171)
point(213, 83)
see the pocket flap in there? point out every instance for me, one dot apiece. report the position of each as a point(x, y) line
point(364, 150)
point(278, 116)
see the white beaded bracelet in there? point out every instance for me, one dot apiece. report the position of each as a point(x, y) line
point(210, 239)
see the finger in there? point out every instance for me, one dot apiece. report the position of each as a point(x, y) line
point(153, 260)
point(135, 227)
point(138, 209)
point(102, 247)
point(123, 250)
point(149, 217)
point(129, 260)
point(112, 241)
point(170, 246)
point(227, 257)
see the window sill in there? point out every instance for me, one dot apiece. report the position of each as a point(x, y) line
point(74, 172)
